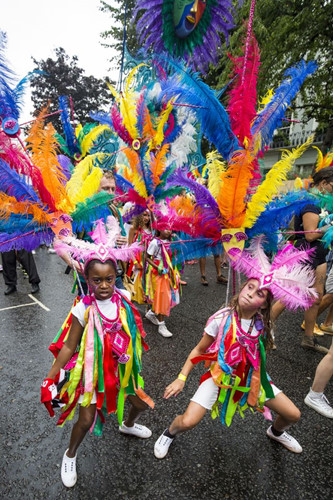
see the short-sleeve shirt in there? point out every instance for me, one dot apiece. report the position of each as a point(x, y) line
point(107, 308)
point(213, 327)
point(319, 256)
point(310, 208)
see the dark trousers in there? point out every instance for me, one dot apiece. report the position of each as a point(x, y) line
point(9, 266)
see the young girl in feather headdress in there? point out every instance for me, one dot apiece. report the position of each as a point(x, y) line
point(234, 343)
point(99, 347)
point(162, 278)
point(140, 232)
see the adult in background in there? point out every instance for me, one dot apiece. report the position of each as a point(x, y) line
point(27, 260)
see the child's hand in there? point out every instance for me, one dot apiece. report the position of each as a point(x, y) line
point(174, 388)
point(48, 391)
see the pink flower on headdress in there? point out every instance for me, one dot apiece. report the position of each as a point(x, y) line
point(288, 277)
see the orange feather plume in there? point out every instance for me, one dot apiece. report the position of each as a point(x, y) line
point(158, 164)
point(232, 196)
point(9, 205)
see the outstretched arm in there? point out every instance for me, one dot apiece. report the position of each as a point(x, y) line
point(178, 385)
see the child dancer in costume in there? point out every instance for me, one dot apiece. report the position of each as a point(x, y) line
point(162, 279)
point(99, 347)
point(234, 342)
point(140, 232)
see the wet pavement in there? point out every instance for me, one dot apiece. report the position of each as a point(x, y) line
point(206, 463)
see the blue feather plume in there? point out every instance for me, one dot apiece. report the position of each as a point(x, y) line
point(271, 117)
point(278, 215)
point(13, 184)
point(67, 126)
point(18, 223)
point(189, 89)
point(8, 104)
point(123, 183)
point(103, 118)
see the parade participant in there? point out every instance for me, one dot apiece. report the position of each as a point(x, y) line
point(316, 398)
point(309, 234)
point(140, 231)
point(234, 342)
point(9, 269)
point(99, 347)
point(162, 279)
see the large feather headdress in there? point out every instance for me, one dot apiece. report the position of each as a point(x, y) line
point(288, 277)
point(104, 246)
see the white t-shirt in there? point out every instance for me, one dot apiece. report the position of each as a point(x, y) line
point(213, 328)
point(107, 308)
point(154, 248)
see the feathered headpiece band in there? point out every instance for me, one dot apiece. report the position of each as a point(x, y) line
point(288, 277)
point(103, 247)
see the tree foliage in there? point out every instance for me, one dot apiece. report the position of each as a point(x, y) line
point(63, 76)
point(288, 31)
point(114, 36)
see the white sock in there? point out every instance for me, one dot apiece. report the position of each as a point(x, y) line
point(314, 394)
point(160, 323)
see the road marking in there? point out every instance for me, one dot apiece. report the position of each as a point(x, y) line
point(38, 302)
point(20, 305)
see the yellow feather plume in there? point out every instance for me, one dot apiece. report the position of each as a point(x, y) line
point(270, 186)
point(137, 181)
point(215, 166)
point(90, 185)
point(298, 184)
point(88, 140)
point(265, 100)
point(163, 118)
point(323, 161)
point(231, 198)
point(80, 174)
point(158, 164)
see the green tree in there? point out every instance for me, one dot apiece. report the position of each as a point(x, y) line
point(62, 76)
point(288, 31)
point(114, 36)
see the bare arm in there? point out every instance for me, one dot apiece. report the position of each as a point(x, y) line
point(151, 262)
point(131, 235)
point(310, 223)
point(178, 385)
point(68, 349)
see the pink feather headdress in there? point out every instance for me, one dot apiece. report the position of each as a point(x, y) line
point(104, 247)
point(288, 277)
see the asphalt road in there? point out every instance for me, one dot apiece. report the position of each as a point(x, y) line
point(210, 462)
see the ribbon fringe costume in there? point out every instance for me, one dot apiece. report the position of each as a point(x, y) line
point(107, 362)
point(162, 285)
point(238, 367)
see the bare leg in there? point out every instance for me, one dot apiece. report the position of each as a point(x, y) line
point(326, 301)
point(324, 372)
point(310, 314)
point(192, 416)
point(217, 262)
point(277, 309)
point(202, 265)
point(137, 407)
point(288, 413)
point(329, 318)
point(81, 427)
point(160, 317)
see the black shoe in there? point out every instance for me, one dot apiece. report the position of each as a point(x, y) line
point(34, 288)
point(10, 289)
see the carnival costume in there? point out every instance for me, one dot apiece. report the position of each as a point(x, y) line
point(143, 237)
point(107, 364)
point(238, 359)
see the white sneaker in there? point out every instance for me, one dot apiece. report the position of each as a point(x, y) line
point(162, 329)
point(286, 440)
point(137, 430)
point(320, 404)
point(162, 445)
point(152, 317)
point(68, 470)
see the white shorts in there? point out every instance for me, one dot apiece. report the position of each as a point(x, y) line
point(93, 401)
point(207, 393)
